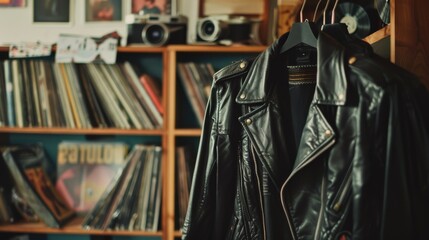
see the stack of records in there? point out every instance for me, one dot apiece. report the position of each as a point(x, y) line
point(132, 201)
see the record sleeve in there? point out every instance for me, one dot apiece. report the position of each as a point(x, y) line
point(30, 180)
point(85, 169)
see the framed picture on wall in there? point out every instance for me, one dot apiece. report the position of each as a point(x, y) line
point(52, 11)
point(12, 3)
point(229, 7)
point(168, 7)
point(103, 10)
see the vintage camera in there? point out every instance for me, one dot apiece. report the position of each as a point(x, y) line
point(237, 29)
point(156, 30)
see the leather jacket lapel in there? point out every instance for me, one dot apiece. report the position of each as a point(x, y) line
point(331, 86)
point(264, 127)
point(317, 137)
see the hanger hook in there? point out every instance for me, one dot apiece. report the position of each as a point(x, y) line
point(333, 11)
point(315, 11)
point(301, 11)
point(324, 11)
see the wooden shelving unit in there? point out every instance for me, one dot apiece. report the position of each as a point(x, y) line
point(167, 134)
point(72, 227)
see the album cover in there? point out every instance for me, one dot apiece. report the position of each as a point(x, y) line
point(25, 165)
point(84, 169)
point(8, 213)
point(85, 49)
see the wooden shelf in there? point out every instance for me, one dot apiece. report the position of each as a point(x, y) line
point(141, 48)
point(187, 132)
point(378, 35)
point(216, 48)
point(177, 233)
point(92, 131)
point(137, 48)
point(73, 227)
point(125, 49)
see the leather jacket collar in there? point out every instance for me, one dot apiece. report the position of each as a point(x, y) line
point(331, 75)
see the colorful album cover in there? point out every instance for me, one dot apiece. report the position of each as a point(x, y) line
point(25, 164)
point(44, 188)
point(84, 169)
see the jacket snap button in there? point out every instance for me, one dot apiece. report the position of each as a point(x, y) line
point(242, 96)
point(328, 133)
point(352, 59)
point(242, 65)
point(248, 121)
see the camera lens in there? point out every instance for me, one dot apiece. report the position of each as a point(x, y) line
point(155, 34)
point(210, 30)
point(208, 27)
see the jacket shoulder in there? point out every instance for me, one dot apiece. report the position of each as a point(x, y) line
point(234, 69)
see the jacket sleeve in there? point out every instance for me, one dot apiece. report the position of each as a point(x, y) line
point(213, 191)
point(214, 185)
point(198, 215)
point(406, 184)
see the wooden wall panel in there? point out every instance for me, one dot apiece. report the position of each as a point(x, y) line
point(410, 36)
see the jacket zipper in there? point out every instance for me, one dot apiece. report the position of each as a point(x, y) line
point(303, 164)
point(322, 206)
point(259, 192)
point(244, 204)
point(342, 192)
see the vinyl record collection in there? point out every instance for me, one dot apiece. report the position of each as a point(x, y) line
point(82, 96)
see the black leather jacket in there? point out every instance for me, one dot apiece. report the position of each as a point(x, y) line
point(360, 170)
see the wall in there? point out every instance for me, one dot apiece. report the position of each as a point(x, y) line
point(411, 37)
point(16, 23)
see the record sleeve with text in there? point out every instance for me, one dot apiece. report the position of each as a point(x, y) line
point(84, 169)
